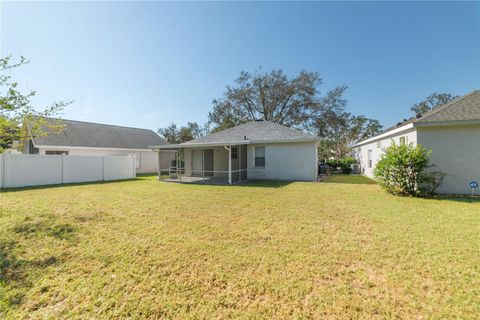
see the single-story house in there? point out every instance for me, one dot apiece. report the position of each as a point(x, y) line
point(253, 150)
point(450, 131)
point(95, 139)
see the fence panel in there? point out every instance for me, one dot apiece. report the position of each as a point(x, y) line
point(31, 170)
point(82, 168)
point(22, 170)
point(119, 167)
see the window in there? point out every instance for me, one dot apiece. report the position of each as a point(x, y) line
point(56, 152)
point(403, 140)
point(369, 158)
point(234, 153)
point(259, 156)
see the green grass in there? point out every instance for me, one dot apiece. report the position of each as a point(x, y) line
point(149, 249)
point(350, 179)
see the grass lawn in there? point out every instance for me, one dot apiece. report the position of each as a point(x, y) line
point(349, 179)
point(144, 248)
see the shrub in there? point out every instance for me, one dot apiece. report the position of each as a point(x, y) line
point(344, 164)
point(401, 169)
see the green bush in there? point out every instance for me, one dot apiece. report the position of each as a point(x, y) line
point(401, 169)
point(344, 164)
point(333, 164)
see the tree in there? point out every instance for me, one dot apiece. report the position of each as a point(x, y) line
point(339, 131)
point(186, 133)
point(18, 118)
point(170, 133)
point(431, 102)
point(272, 96)
point(401, 169)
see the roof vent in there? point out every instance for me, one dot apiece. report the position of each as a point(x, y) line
point(419, 116)
point(244, 137)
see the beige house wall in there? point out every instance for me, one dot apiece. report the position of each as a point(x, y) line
point(456, 153)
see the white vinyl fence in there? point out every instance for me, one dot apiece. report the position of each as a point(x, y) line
point(21, 170)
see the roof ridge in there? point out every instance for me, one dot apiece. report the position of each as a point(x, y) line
point(445, 105)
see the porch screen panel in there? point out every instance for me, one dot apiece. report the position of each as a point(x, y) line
point(235, 164)
point(208, 164)
point(243, 162)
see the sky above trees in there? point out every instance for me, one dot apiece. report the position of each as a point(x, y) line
point(148, 64)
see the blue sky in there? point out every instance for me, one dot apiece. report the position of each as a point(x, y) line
point(147, 64)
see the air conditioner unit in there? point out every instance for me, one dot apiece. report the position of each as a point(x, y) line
point(355, 168)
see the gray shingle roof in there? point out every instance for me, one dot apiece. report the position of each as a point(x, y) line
point(87, 134)
point(254, 131)
point(464, 108)
point(460, 109)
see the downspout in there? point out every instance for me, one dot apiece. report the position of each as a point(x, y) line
point(229, 148)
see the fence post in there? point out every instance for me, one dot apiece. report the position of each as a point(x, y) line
point(134, 166)
point(2, 171)
point(103, 168)
point(63, 169)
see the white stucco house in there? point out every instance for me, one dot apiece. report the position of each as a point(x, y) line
point(451, 132)
point(254, 150)
point(80, 138)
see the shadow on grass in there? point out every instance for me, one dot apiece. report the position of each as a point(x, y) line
point(265, 183)
point(50, 186)
point(224, 183)
point(14, 276)
point(348, 179)
point(64, 231)
point(454, 197)
point(147, 176)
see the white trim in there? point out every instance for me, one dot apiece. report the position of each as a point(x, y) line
point(77, 148)
point(387, 134)
point(199, 145)
point(284, 141)
point(264, 156)
point(232, 143)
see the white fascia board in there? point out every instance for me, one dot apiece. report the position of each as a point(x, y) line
point(231, 143)
point(89, 148)
point(285, 141)
point(385, 135)
point(446, 123)
point(199, 145)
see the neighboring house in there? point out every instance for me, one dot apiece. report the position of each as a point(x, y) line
point(254, 150)
point(94, 139)
point(451, 131)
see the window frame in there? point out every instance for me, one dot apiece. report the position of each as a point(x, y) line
point(255, 157)
point(56, 152)
point(234, 153)
point(369, 158)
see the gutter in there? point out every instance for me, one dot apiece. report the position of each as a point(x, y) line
point(230, 143)
point(386, 134)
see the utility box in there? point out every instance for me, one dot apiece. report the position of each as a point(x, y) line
point(355, 168)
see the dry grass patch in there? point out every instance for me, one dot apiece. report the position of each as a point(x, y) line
point(145, 248)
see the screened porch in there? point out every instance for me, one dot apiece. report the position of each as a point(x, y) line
point(214, 164)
